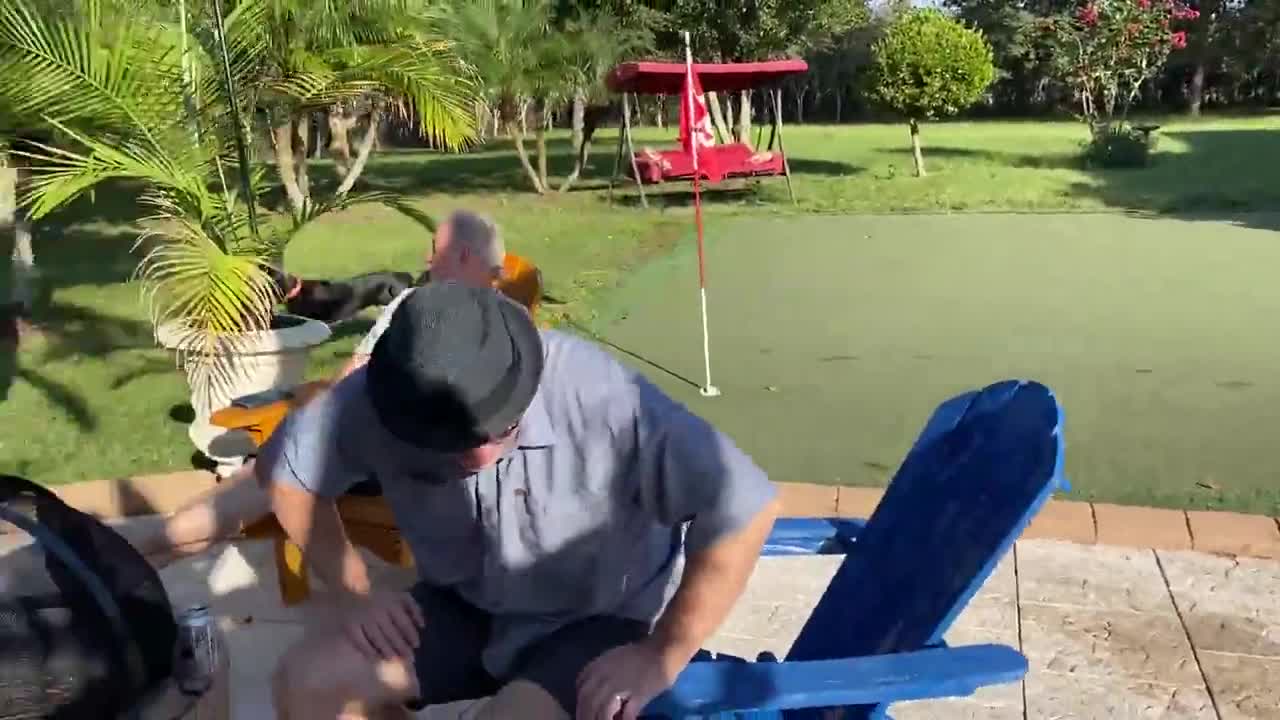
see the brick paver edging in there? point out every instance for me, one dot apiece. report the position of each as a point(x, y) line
point(1222, 533)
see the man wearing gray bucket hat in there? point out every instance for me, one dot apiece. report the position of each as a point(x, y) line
point(550, 496)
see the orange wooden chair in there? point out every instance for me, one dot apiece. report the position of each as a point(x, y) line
point(521, 281)
point(368, 520)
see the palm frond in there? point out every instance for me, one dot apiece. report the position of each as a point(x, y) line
point(429, 80)
point(177, 167)
point(70, 67)
point(208, 300)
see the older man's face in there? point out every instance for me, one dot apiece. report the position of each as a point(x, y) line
point(457, 262)
point(478, 458)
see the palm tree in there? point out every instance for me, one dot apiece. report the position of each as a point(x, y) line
point(520, 62)
point(372, 56)
point(598, 40)
point(134, 98)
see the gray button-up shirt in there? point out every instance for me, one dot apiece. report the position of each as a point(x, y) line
point(610, 482)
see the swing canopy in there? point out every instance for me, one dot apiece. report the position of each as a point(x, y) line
point(664, 78)
point(731, 159)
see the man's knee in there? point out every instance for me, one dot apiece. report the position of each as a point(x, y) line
point(325, 673)
point(521, 700)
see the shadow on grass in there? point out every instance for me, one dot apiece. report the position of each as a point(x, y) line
point(495, 167)
point(69, 401)
point(72, 330)
point(680, 195)
point(1216, 175)
point(994, 157)
point(67, 331)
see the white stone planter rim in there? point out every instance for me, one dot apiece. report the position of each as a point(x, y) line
point(305, 334)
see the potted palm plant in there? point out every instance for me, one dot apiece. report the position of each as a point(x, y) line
point(166, 105)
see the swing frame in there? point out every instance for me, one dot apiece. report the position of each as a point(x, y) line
point(663, 78)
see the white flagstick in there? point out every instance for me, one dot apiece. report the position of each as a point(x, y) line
point(707, 390)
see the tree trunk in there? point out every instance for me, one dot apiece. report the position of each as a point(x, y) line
point(340, 124)
point(839, 105)
point(319, 141)
point(916, 154)
point(717, 116)
point(579, 162)
point(481, 113)
point(579, 117)
point(282, 137)
point(540, 142)
point(301, 139)
point(800, 92)
point(516, 127)
point(661, 115)
point(13, 220)
point(362, 154)
point(744, 117)
point(517, 138)
point(1196, 90)
point(16, 311)
point(591, 119)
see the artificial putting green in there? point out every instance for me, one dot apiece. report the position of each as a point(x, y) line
point(833, 338)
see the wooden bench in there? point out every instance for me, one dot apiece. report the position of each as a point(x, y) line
point(367, 519)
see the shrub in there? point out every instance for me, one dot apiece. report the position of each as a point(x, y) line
point(1106, 49)
point(928, 66)
point(1119, 146)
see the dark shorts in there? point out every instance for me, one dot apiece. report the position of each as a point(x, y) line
point(448, 656)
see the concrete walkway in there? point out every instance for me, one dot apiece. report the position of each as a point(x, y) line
point(1110, 632)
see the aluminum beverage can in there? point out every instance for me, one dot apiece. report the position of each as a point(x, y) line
point(199, 651)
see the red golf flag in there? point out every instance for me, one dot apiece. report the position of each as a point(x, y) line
point(695, 126)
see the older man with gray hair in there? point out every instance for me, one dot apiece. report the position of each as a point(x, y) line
point(467, 248)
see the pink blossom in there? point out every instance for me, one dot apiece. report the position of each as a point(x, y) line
point(1178, 40)
point(1088, 15)
point(1144, 4)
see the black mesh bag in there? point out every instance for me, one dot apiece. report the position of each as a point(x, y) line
point(86, 628)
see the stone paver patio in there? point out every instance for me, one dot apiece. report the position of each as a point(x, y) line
point(1110, 632)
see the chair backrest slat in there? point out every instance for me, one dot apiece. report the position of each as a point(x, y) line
point(521, 281)
point(983, 466)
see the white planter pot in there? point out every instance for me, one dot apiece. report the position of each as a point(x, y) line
point(267, 360)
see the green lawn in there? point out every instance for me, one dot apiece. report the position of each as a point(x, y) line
point(834, 337)
point(95, 398)
point(1210, 165)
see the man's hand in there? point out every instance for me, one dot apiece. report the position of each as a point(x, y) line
point(620, 683)
point(386, 625)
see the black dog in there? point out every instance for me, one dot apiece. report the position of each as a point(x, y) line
point(333, 301)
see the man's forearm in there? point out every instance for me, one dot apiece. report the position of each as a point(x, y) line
point(314, 524)
point(713, 581)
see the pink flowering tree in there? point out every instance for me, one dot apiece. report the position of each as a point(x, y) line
point(1106, 50)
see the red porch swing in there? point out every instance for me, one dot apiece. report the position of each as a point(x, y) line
point(730, 160)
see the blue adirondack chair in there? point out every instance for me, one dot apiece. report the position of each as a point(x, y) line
point(983, 466)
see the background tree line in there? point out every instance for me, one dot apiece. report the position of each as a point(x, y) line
point(1231, 60)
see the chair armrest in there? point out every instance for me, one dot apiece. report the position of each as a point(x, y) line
point(263, 418)
point(705, 688)
point(260, 413)
point(812, 536)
